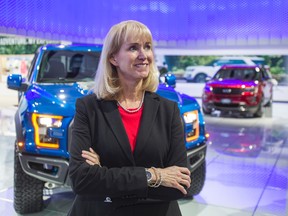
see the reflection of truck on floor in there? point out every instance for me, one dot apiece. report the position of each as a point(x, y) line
point(244, 141)
point(57, 77)
point(240, 140)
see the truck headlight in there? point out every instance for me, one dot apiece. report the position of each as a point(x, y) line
point(249, 90)
point(191, 125)
point(190, 117)
point(208, 88)
point(41, 124)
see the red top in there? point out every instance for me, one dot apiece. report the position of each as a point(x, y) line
point(131, 123)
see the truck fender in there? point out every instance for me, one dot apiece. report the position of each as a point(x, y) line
point(18, 127)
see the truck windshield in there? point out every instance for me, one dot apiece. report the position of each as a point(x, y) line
point(68, 66)
point(238, 74)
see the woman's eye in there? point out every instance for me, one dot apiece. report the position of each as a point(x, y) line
point(148, 47)
point(133, 48)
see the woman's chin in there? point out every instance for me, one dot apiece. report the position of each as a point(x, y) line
point(143, 74)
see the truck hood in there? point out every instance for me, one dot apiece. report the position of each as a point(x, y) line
point(231, 83)
point(57, 99)
point(60, 98)
point(185, 102)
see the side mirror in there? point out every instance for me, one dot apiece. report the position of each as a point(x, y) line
point(208, 78)
point(169, 79)
point(15, 82)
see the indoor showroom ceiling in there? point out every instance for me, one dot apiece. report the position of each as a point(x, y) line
point(183, 26)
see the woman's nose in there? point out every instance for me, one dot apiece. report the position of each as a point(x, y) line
point(142, 54)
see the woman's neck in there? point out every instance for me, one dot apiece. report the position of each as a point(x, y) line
point(131, 91)
point(131, 99)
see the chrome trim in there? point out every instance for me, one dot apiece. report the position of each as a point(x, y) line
point(59, 178)
point(199, 152)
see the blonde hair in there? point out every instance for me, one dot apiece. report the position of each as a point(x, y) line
point(107, 85)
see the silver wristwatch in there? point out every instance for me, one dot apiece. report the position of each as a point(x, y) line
point(148, 176)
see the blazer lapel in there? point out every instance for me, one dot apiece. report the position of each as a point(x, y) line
point(112, 115)
point(151, 104)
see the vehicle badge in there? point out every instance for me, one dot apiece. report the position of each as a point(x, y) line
point(226, 90)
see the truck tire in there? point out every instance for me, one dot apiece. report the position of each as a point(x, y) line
point(200, 78)
point(259, 112)
point(28, 191)
point(269, 103)
point(197, 180)
point(206, 111)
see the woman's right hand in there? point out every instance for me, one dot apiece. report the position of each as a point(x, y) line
point(91, 157)
point(175, 177)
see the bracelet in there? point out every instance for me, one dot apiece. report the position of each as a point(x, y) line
point(155, 183)
point(158, 181)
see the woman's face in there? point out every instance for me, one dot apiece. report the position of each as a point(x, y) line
point(134, 59)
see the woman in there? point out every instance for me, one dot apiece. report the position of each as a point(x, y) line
point(128, 155)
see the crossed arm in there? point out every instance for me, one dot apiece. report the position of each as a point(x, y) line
point(173, 176)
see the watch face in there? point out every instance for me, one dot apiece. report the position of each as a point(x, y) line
point(148, 175)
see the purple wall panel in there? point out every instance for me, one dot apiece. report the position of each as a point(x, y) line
point(172, 22)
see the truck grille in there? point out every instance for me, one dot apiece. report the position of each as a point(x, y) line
point(227, 91)
point(226, 105)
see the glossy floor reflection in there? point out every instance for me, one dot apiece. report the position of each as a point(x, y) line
point(247, 168)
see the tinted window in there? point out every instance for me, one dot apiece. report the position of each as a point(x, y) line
point(239, 74)
point(68, 66)
point(234, 61)
point(32, 65)
point(221, 62)
point(226, 61)
point(237, 61)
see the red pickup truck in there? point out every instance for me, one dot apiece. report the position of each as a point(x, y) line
point(239, 88)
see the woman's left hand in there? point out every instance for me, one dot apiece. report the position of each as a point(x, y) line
point(91, 157)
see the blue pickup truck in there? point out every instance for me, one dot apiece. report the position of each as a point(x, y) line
point(58, 75)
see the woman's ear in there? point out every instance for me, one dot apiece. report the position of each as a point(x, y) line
point(113, 61)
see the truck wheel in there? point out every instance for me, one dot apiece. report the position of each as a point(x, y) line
point(259, 111)
point(197, 180)
point(28, 191)
point(200, 78)
point(206, 111)
point(269, 103)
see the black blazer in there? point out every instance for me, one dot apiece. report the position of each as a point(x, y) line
point(119, 187)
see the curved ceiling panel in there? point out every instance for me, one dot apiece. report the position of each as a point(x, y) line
point(185, 24)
